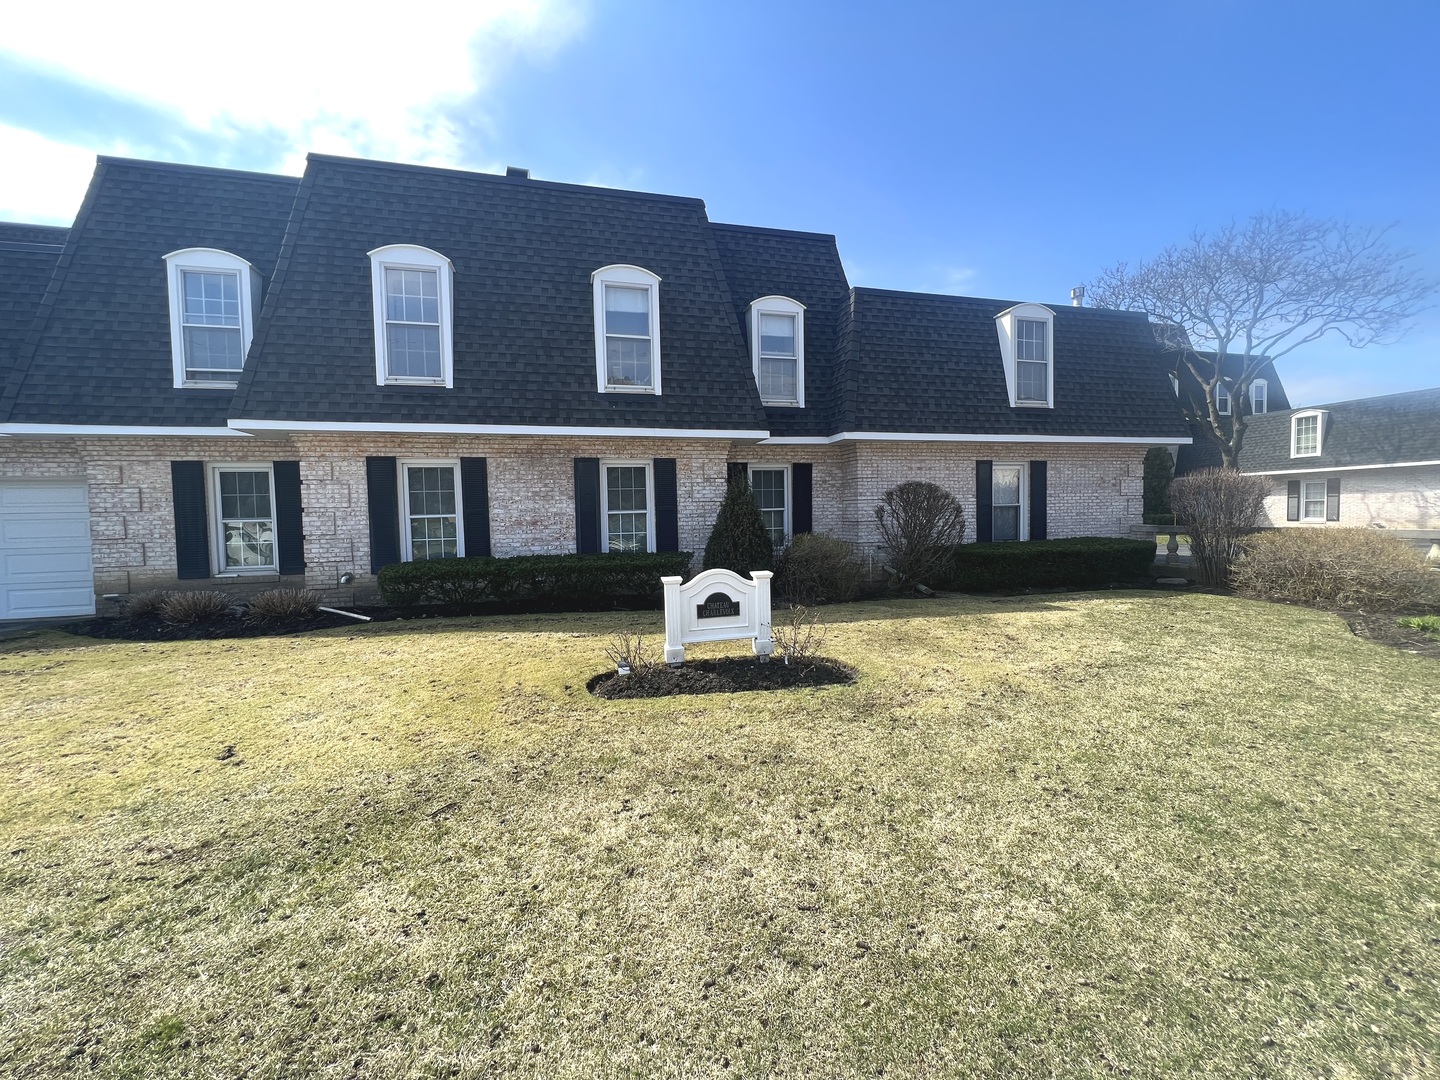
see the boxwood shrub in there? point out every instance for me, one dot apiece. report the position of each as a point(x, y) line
point(543, 580)
point(1075, 562)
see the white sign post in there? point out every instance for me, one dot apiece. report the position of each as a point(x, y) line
point(717, 605)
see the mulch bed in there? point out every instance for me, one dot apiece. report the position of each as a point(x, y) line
point(1387, 630)
point(727, 675)
point(153, 628)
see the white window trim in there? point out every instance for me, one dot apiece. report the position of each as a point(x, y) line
point(208, 260)
point(605, 501)
point(1260, 399)
point(413, 257)
point(1319, 433)
point(1006, 331)
point(217, 519)
point(789, 503)
point(779, 305)
point(638, 277)
point(1024, 467)
point(407, 551)
point(1324, 500)
point(1224, 406)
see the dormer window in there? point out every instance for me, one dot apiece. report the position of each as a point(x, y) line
point(1222, 398)
point(627, 330)
point(1027, 337)
point(212, 316)
point(413, 316)
point(1306, 434)
point(1260, 397)
point(777, 346)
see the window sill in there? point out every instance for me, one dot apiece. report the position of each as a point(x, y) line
point(436, 384)
point(628, 390)
point(1316, 454)
point(206, 385)
point(1032, 405)
point(264, 573)
point(781, 404)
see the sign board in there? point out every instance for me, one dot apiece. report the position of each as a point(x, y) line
point(718, 605)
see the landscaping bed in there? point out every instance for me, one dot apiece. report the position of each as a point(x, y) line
point(234, 625)
point(724, 675)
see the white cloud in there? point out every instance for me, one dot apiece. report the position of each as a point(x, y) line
point(369, 79)
point(50, 184)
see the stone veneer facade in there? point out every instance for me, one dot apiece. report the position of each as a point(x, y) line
point(1403, 498)
point(1094, 490)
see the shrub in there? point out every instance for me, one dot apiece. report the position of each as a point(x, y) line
point(540, 579)
point(1347, 568)
point(284, 604)
point(919, 524)
point(201, 606)
point(1218, 508)
point(818, 569)
point(799, 636)
point(1159, 471)
point(630, 654)
point(1077, 562)
point(739, 541)
point(146, 604)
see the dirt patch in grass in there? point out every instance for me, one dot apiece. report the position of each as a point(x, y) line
point(153, 628)
point(725, 675)
point(1389, 630)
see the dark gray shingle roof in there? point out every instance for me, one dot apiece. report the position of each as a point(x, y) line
point(28, 254)
point(1367, 431)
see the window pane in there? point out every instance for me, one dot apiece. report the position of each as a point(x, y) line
point(777, 335)
point(1306, 434)
point(413, 352)
point(249, 544)
point(211, 299)
point(1030, 340)
point(1031, 380)
point(627, 361)
point(626, 508)
point(1314, 501)
point(778, 379)
point(768, 487)
point(627, 310)
point(412, 296)
point(1259, 397)
point(1005, 486)
point(212, 353)
point(245, 495)
point(1006, 523)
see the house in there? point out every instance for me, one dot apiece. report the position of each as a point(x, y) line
point(1265, 394)
point(227, 378)
point(1369, 462)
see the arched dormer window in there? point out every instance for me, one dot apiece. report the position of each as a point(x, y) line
point(414, 313)
point(1027, 336)
point(627, 330)
point(1307, 433)
point(1260, 396)
point(777, 347)
point(213, 295)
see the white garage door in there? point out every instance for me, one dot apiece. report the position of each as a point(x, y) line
point(45, 564)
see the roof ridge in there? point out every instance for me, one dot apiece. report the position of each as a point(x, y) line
point(177, 166)
point(803, 234)
point(1056, 307)
point(1357, 401)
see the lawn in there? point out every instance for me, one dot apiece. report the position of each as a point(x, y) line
point(1081, 835)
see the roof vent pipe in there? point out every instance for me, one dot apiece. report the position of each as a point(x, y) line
point(519, 174)
point(1077, 296)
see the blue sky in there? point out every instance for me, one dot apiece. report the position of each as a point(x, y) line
point(998, 150)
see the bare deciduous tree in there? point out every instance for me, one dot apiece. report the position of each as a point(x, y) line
point(1231, 301)
point(919, 523)
point(1219, 508)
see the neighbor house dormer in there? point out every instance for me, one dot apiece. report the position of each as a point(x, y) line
point(1307, 433)
point(1027, 344)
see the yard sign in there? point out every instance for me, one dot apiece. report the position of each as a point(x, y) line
point(718, 605)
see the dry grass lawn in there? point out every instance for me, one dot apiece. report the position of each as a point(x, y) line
point(1082, 835)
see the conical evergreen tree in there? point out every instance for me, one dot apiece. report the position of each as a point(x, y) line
point(739, 541)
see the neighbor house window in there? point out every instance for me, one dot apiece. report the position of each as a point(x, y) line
point(244, 503)
point(1222, 399)
point(625, 509)
point(627, 330)
point(212, 295)
point(1027, 342)
point(1007, 506)
point(432, 510)
point(1305, 435)
point(770, 486)
point(777, 345)
point(1259, 397)
point(1312, 502)
point(413, 316)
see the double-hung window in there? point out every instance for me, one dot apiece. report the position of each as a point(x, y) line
point(211, 316)
point(1305, 435)
point(431, 510)
point(1222, 398)
point(770, 486)
point(1007, 492)
point(1260, 397)
point(627, 330)
point(625, 507)
point(244, 505)
point(1032, 362)
point(777, 343)
point(1312, 500)
point(413, 316)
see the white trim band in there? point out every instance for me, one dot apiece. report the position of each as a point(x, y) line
point(914, 436)
point(1345, 468)
point(105, 429)
point(301, 427)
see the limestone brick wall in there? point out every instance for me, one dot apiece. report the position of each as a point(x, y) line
point(1402, 498)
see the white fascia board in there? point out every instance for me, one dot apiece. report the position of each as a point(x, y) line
point(305, 427)
point(1345, 468)
point(917, 436)
point(106, 429)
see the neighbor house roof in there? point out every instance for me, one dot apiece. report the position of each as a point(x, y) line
point(28, 254)
point(1391, 430)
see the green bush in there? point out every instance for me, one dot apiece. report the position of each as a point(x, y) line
point(1159, 471)
point(818, 569)
point(1346, 568)
point(1039, 564)
point(739, 541)
point(540, 579)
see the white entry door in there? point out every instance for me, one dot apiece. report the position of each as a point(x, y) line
point(45, 566)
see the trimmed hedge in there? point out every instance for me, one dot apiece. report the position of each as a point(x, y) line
point(541, 579)
point(1076, 562)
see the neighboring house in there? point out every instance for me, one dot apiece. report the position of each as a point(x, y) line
point(1370, 462)
point(239, 380)
point(1266, 394)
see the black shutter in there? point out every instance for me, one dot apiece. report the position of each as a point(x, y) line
point(802, 513)
point(1039, 484)
point(1292, 501)
point(1332, 499)
point(192, 519)
point(667, 506)
point(475, 503)
point(737, 472)
point(587, 505)
point(383, 497)
point(289, 526)
point(984, 501)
